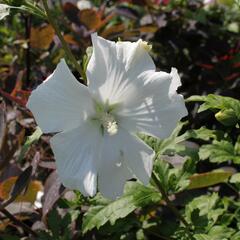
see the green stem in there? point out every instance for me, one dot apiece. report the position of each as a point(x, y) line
point(170, 205)
point(63, 42)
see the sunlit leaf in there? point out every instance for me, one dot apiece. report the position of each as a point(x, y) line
point(235, 178)
point(208, 179)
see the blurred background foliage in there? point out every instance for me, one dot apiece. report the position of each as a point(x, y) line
point(199, 38)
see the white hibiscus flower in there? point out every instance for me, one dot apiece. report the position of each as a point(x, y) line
point(4, 10)
point(96, 145)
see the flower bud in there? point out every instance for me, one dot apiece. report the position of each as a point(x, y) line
point(227, 117)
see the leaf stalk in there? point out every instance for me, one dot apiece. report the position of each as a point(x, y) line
point(63, 42)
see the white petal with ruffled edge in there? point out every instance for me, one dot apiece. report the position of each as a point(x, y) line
point(157, 107)
point(77, 155)
point(60, 102)
point(113, 68)
point(123, 157)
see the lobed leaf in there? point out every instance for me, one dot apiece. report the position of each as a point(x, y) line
point(218, 152)
point(135, 195)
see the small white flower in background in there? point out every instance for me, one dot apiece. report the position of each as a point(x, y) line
point(4, 11)
point(96, 145)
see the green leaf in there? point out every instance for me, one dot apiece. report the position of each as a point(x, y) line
point(220, 233)
point(160, 146)
point(54, 222)
point(208, 179)
point(229, 113)
point(202, 133)
point(30, 140)
point(218, 152)
point(235, 178)
point(162, 170)
point(196, 98)
point(135, 195)
point(204, 212)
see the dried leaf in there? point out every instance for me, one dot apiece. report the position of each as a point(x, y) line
point(71, 11)
point(21, 183)
point(90, 18)
point(29, 196)
point(113, 30)
point(35, 162)
point(51, 192)
point(70, 39)
point(3, 125)
point(41, 37)
point(148, 29)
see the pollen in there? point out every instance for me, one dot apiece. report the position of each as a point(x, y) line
point(109, 123)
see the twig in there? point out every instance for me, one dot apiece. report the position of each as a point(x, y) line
point(27, 57)
point(63, 42)
point(170, 205)
point(18, 222)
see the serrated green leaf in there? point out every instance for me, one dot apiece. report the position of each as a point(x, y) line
point(229, 113)
point(135, 195)
point(208, 179)
point(220, 233)
point(235, 178)
point(219, 151)
point(202, 133)
point(30, 140)
point(204, 211)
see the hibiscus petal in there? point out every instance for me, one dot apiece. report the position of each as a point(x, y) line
point(123, 157)
point(60, 102)
point(77, 153)
point(114, 66)
point(157, 107)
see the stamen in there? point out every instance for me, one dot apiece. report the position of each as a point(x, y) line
point(109, 123)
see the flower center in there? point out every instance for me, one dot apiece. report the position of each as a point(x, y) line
point(108, 123)
point(106, 117)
